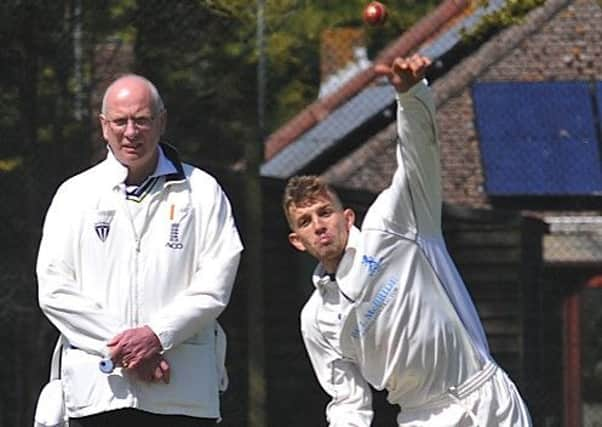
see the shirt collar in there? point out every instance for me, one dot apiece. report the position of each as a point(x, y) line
point(320, 278)
point(164, 166)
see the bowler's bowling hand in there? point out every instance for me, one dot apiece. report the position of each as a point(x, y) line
point(404, 73)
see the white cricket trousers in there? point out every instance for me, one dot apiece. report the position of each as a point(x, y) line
point(487, 399)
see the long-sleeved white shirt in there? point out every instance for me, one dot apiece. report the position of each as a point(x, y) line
point(172, 268)
point(403, 320)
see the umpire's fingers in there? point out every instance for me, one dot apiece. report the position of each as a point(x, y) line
point(165, 370)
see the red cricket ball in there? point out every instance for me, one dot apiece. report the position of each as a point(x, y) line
point(375, 13)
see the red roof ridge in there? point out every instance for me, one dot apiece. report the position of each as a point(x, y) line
point(321, 108)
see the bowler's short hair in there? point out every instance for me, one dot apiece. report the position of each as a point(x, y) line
point(301, 189)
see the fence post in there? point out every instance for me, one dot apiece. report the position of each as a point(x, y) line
point(253, 201)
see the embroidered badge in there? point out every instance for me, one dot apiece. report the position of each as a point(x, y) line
point(372, 263)
point(102, 230)
point(174, 232)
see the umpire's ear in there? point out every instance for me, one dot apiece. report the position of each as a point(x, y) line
point(294, 239)
point(162, 121)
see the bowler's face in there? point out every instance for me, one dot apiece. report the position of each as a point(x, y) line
point(321, 228)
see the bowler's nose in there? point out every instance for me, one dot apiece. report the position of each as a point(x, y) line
point(319, 225)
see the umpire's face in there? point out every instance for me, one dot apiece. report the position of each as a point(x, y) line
point(131, 125)
point(321, 227)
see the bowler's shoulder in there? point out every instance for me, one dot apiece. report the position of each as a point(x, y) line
point(309, 312)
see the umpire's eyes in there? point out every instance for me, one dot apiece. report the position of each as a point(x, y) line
point(138, 122)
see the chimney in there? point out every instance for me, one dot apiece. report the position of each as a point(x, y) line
point(342, 55)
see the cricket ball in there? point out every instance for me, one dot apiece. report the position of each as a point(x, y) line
point(375, 13)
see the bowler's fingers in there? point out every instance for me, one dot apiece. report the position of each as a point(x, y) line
point(383, 70)
point(419, 65)
point(412, 68)
point(400, 66)
point(388, 71)
point(403, 73)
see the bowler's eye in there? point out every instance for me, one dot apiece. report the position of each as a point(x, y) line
point(303, 222)
point(326, 212)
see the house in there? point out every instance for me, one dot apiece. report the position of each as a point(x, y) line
point(519, 118)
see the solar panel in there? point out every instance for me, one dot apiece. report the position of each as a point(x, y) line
point(599, 99)
point(538, 138)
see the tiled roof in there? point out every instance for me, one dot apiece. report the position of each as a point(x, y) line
point(324, 123)
point(321, 108)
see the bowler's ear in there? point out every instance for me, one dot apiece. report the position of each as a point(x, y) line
point(350, 217)
point(293, 238)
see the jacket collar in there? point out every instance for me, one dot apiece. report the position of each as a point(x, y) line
point(164, 167)
point(169, 164)
point(172, 155)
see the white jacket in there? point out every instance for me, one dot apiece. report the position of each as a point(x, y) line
point(398, 316)
point(100, 273)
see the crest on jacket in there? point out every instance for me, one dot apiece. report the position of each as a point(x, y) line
point(102, 230)
point(102, 226)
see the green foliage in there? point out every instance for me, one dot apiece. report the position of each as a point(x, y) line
point(57, 58)
point(202, 54)
point(512, 13)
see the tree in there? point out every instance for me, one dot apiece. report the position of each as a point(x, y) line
point(56, 57)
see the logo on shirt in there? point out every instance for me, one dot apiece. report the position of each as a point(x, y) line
point(174, 232)
point(174, 237)
point(380, 301)
point(372, 263)
point(102, 230)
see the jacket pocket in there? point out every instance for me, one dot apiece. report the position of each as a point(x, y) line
point(85, 386)
point(193, 385)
